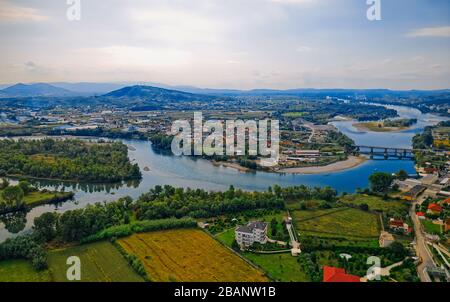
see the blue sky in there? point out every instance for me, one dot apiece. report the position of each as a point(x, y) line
point(229, 44)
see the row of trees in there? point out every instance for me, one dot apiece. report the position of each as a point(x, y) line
point(167, 201)
point(72, 226)
point(67, 160)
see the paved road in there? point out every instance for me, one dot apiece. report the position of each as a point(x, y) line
point(421, 247)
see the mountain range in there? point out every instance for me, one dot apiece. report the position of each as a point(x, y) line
point(33, 90)
point(98, 89)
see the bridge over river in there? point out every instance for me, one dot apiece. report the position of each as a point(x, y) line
point(390, 152)
point(386, 152)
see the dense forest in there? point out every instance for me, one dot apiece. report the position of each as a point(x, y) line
point(100, 162)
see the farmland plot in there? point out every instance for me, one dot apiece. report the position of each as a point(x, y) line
point(100, 262)
point(188, 255)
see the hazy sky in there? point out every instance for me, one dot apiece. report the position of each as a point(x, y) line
point(229, 43)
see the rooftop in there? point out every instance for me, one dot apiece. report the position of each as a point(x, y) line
point(333, 274)
point(255, 225)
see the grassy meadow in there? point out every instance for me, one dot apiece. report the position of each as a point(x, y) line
point(346, 223)
point(21, 271)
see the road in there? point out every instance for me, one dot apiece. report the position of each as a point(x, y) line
point(421, 247)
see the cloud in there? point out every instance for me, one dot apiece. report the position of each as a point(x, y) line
point(175, 25)
point(303, 49)
point(13, 13)
point(438, 32)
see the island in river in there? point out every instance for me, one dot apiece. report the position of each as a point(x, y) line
point(387, 125)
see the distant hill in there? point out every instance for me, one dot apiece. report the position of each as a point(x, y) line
point(148, 97)
point(86, 88)
point(35, 90)
point(156, 94)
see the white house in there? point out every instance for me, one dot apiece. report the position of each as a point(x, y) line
point(253, 232)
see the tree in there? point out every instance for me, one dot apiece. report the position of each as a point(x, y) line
point(45, 226)
point(398, 250)
point(380, 182)
point(402, 175)
point(25, 186)
point(13, 196)
point(4, 183)
point(273, 226)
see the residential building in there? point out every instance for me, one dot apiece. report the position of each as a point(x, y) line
point(414, 192)
point(430, 179)
point(421, 215)
point(399, 225)
point(386, 239)
point(247, 235)
point(434, 209)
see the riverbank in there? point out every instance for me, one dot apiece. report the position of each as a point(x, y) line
point(351, 162)
point(231, 165)
point(375, 127)
point(37, 198)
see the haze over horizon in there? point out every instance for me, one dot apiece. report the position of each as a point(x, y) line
point(273, 44)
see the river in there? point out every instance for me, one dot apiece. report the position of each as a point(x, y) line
point(199, 173)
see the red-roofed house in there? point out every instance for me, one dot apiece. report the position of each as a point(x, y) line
point(333, 274)
point(434, 209)
point(421, 215)
point(398, 225)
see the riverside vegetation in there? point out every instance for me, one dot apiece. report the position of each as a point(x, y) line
point(77, 160)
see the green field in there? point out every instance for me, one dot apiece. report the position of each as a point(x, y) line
point(279, 267)
point(431, 228)
point(337, 223)
point(294, 114)
point(100, 262)
point(21, 271)
point(226, 237)
point(376, 203)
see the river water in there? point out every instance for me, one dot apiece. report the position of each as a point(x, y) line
point(199, 173)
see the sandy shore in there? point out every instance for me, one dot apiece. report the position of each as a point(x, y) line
point(351, 162)
point(230, 165)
